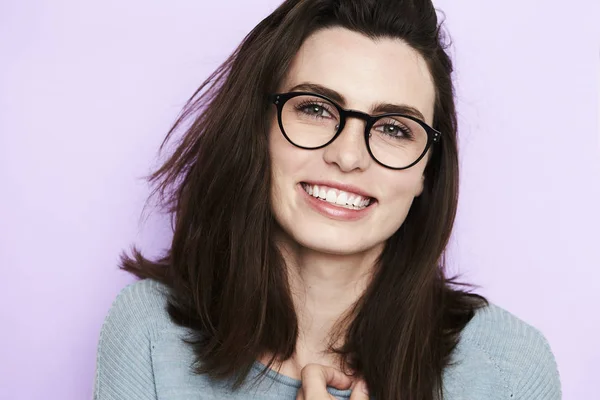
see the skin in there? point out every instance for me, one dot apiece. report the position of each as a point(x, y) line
point(316, 378)
point(330, 262)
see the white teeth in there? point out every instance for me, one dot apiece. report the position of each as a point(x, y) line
point(342, 198)
point(331, 196)
point(337, 197)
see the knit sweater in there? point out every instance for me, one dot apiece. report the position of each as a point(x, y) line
point(141, 357)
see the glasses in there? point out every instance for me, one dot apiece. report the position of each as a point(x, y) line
point(312, 121)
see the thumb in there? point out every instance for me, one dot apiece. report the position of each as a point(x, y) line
point(316, 378)
point(360, 391)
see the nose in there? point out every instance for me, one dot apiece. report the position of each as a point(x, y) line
point(349, 151)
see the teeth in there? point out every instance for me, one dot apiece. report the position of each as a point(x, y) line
point(337, 197)
point(322, 193)
point(331, 196)
point(342, 198)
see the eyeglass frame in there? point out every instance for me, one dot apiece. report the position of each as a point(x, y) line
point(279, 99)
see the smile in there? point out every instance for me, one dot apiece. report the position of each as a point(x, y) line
point(337, 197)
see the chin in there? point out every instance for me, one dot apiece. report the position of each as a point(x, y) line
point(334, 248)
point(329, 241)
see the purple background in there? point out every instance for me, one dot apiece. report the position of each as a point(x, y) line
point(88, 90)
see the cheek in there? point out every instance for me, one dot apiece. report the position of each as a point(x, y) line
point(403, 186)
point(286, 162)
point(395, 204)
point(277, 150)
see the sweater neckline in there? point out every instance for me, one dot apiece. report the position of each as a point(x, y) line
point(292, 382)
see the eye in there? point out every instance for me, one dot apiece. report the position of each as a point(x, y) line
point(394, 129)
point(314, 109)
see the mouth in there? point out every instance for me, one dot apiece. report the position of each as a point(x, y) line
point(338, 197)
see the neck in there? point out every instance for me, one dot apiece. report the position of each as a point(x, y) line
point(324, 287)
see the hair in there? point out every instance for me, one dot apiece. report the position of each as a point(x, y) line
point(226, 277)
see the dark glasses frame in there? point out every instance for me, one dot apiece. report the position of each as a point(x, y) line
point(279, 99)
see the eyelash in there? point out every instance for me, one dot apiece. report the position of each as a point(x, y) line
point(311, 103)
point(401, 127)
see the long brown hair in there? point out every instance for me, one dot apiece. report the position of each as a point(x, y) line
point(226, 277)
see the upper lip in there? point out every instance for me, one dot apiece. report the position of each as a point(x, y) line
point(341, 186)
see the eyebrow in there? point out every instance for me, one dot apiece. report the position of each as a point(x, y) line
point(379, 108)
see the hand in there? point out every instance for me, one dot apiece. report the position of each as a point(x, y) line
point(316, 378)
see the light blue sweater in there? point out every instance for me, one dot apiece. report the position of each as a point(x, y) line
point(141, 357)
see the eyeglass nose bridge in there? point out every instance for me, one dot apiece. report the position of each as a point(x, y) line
point(345, 114)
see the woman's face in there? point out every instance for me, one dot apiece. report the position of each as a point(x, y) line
point(364, 73)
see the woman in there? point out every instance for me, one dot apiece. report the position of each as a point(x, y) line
point(313, 195)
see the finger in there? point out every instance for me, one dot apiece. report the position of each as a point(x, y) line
point(360, 391)
point(316, 378)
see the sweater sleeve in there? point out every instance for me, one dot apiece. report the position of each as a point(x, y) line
point(537, 377)
point(123, 360)
point(519, 353)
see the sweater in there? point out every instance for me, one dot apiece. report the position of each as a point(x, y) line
point(141, 356)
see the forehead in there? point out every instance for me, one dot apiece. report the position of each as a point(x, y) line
point(363, 70)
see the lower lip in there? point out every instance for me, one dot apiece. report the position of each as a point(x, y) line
point(332, 211)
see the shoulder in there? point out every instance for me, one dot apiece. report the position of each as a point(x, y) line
point(140, 306)
point(516, 351)
point(135, 320)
